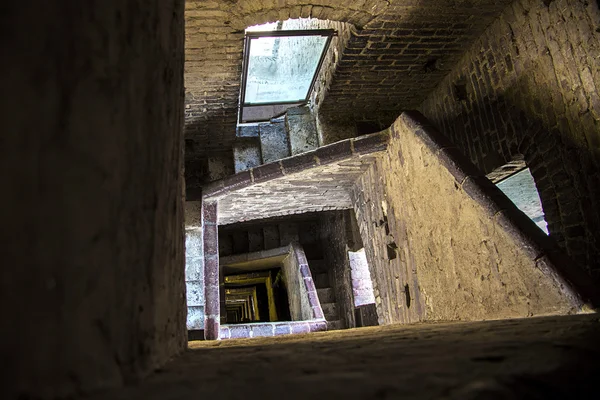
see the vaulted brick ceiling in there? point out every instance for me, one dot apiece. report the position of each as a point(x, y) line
point(397, 53)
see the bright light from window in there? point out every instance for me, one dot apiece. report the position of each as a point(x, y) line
point(521, 189)
point(280, 68)
point(271, 26)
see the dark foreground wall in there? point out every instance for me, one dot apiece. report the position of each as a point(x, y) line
point(529, 88)
point(92, 287)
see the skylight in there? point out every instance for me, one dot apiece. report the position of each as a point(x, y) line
point(280, 68)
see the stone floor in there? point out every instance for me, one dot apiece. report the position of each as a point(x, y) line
point(536, 358)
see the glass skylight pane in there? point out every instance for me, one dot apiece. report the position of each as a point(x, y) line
point(281, 69)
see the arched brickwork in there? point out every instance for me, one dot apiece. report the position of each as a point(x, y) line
point(530, 85)
point(392, 62)
point(214, 44)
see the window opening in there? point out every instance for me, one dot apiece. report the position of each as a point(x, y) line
point(280, 70)
point(520, 189)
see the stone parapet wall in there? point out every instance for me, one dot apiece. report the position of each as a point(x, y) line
point(443, 243)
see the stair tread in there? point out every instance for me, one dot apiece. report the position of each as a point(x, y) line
point(321, 280)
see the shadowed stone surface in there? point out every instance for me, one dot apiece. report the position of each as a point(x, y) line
point(540, 358)
point(92, 277)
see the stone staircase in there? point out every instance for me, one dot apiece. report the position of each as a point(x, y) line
point(254, 238)
point(326, 294)
point(262, 143)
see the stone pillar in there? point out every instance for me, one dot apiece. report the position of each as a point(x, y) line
point(212, 309)
point(194, 265)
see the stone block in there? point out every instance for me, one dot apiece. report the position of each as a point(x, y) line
point(194, 268)
point(194, 246)
point(274, 142)
point(267, 172)
point(302, 130)
point(255, 240)
point(193, 215)
point(239, 331)
point(300, 327)
point(262, 330)
point(247, 131)
point(246, 155)
point(288, 233)
point(211, 328)
point(194, 293)
point(317, 326)
point(211, 240)
point(271, 237)
point(299, 163)
point(334, 152)
point(195, 318)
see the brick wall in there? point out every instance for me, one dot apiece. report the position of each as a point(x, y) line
point(529, 87)
point(443, 243)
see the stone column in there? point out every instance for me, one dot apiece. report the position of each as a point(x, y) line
point(211, 271)
point(194, 265)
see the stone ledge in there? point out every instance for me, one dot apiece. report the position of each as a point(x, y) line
point(267, 329)
point(345, 149)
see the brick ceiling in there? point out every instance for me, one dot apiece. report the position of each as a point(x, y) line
point(398, 52)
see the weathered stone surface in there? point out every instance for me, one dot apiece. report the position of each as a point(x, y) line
point(246, 155)
point(437, 252)
point(274, 142)
point(195, 318)
point(91, 288)
point(302, 130)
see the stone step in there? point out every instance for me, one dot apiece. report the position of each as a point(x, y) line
point(317, 266)
point(335, 325)
point(330, 311)
point(326, 295)
point(321, 280)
